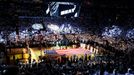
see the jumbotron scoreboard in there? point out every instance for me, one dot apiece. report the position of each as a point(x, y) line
point(64, 8)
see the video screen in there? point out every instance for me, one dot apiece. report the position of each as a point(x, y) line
point(63, 9)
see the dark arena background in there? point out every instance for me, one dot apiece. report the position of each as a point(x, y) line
point(66, 37)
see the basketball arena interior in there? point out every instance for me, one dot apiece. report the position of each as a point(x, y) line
point(66, 37)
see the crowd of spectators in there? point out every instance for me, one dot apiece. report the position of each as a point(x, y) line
point(49, 66)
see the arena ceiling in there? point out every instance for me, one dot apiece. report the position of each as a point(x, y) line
point(99, 12)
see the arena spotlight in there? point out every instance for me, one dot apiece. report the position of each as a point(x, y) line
point(1, 39)
point(113, 31)
point(53, 27)
point(130, 34)
point(37, 26)
point(13, 35)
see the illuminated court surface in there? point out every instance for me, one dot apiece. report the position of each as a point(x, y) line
point(59, 51)
point(68, 52)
